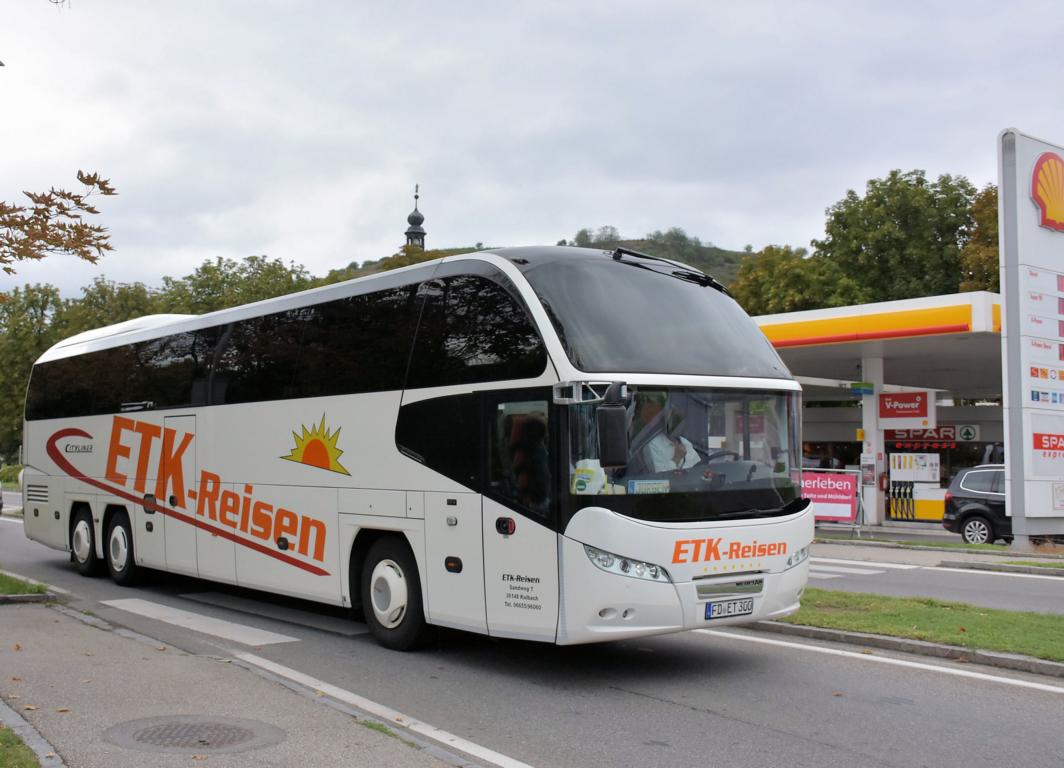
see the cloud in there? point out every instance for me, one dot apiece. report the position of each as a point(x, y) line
point(299, 131)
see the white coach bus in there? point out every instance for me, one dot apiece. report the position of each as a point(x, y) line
point(554, 444)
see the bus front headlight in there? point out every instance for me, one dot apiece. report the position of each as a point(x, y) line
point(626, 566)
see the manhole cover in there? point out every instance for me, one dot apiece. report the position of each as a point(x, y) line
point(194, 734)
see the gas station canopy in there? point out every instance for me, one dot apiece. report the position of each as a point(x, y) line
point(950, 343)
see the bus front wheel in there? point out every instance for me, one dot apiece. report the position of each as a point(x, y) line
point(391, 595)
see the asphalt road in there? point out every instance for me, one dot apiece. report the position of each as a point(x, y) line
point(12, 499)
point(728, 698)
point(1009, 591)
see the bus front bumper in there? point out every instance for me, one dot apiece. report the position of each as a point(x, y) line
point(597, 606)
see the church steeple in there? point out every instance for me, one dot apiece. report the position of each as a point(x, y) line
point(415, 233)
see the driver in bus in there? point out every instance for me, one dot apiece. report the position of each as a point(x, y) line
point(665, 450)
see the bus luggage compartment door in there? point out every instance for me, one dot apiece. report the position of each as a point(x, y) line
point(180, 536)
point(454, 561)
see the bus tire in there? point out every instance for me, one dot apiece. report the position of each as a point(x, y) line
point(119, 550)
point(391, 595)
point(83, 544)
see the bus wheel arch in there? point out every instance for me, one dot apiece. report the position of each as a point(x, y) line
point(389, 589)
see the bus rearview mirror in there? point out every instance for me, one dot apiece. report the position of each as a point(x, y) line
point(613, 429)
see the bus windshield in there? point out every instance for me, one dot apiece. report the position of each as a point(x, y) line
point(616, 316)
point(693, 454)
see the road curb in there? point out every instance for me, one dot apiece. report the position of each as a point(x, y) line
point(1013, 661)
point(1004, 568)
point(29, 597)
point(31, 737)
point(931, 548)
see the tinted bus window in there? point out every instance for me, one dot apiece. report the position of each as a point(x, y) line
point(357, 344)
point(259, 360)
point(619, 316)
point(471, 330)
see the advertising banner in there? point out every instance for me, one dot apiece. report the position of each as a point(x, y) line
point(834, 494)
point(907, 410)
point(1031, 214)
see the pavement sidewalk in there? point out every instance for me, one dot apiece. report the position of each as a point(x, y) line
point(73, 682)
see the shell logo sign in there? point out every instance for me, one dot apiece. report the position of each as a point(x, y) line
point(1047, 190)
point(317, 448)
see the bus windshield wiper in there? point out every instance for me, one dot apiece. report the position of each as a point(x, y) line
point(682, 271)
point(785, 509)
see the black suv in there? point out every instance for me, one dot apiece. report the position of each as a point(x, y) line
point(975, 505)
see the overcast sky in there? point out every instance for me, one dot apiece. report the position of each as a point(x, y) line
point(298, 129)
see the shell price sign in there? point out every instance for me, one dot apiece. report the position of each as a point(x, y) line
point(1031, 175)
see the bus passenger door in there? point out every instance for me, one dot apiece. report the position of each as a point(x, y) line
point(454, 560)
point(520, 545)
point(178, 467)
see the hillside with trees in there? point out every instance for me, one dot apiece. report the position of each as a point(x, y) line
point(673, 244)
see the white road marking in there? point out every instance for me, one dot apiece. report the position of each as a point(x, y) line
point(823, 576)
point(6, 519)
point(228, 630)
point(337, 625)
point(980, 572)
point(874, 563)
point(387, 714)
point(815, 561)
point(817, 568)
point(889, 660)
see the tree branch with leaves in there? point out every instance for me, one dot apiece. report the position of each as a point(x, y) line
point(54, 223)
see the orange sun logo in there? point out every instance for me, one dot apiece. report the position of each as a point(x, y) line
point(1047, 190)
point(317, 448)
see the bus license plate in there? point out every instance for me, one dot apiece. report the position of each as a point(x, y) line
point(724, 609)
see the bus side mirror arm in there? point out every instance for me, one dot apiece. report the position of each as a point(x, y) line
point(612, 420)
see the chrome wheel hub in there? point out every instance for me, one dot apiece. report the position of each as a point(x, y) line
point(976, 532)
point(82, 541)
point(388, 593)
point(118, 548)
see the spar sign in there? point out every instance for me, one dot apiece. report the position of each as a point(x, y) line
point(834, 494)
point(907, 410)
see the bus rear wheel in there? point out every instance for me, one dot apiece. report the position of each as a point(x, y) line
point(119, 551)
point(391, 595)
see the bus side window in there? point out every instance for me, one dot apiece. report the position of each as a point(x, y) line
point(442, 433)
point(471, 330)
point(519, 466)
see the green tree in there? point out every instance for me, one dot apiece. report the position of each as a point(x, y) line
point(583, 238)
point(903, 238)
point(786, 279)
point(106, 303)
point(979, 257)
point(223, 283)
point(27, 328)
point(53, 223)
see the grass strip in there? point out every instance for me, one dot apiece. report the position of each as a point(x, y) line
point(919, 618)
point(1036, 563)
point(13, 586)
point(13, 753)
